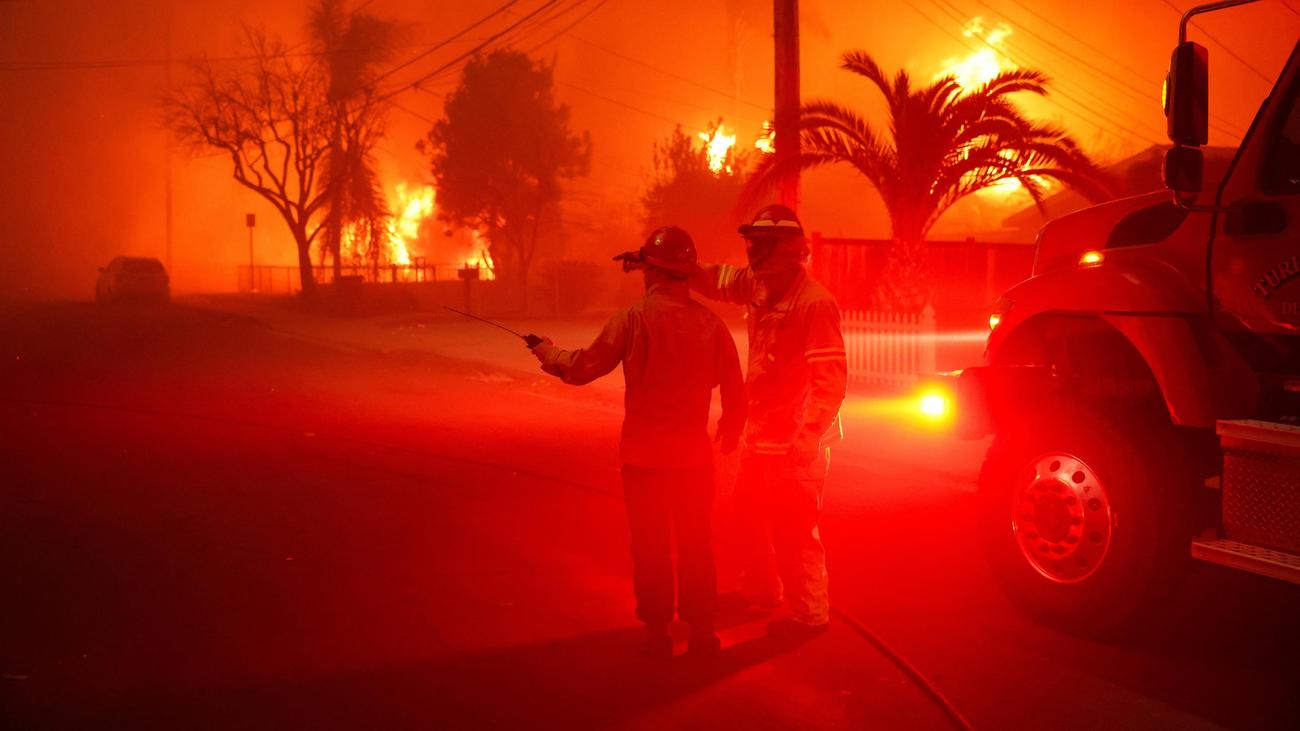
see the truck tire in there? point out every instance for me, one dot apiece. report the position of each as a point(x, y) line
point(1086, 520)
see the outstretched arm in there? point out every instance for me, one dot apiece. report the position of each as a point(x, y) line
point(584, 365)
point(724, 282)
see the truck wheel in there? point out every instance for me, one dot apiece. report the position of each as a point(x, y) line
point(1087, 520)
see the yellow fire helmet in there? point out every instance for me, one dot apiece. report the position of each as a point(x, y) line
point(773, 221)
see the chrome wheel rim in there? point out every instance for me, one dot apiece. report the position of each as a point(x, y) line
point(1062, 518)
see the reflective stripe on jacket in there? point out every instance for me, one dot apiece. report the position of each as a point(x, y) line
point(674, 350)
point(797, 368)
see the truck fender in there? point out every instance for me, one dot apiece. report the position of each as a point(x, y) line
point(1201, 378)
point(1123, 284)
point(1153, 306)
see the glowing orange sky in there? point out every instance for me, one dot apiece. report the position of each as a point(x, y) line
point(84, 157)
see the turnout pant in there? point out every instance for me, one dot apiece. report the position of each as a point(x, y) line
point(778, 505)
point(661, 502)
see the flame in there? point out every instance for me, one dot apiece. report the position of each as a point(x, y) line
point(350, 245)
point(717, 147)
point(982, 66)
point(766, 141)
point(979, 68)
point(410, 208)
point(481, 258)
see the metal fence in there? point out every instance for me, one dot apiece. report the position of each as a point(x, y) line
point(967, 276)
point(273, 279)
point(889, 348)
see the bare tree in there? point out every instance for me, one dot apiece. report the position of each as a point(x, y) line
point(271, 115)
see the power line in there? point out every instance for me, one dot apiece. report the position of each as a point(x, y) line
point(666, 72)
point(1102, 75)
point(639, 62)
point(414, 113)
point(711, 111)
point(1137, 93)
point(623, 104)
point(145, 62)
point(1092, 103)
point(415, 84)
point(1100, 52)
point(955, 14)
point(1221, 44)
point(292, 52)
point(565, 30)
point(1065, 31)
point(530, 29)
point(444, 42)
point(1095, 118)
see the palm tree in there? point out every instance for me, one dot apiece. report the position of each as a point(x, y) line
point(352, 46)
point(943, 144)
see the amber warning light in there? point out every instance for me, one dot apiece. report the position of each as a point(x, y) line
point(934, 402)
point(934, 405)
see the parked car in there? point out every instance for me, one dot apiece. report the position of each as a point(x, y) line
point(132, 278)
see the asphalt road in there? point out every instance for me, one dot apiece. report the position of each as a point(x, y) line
point(205, 523)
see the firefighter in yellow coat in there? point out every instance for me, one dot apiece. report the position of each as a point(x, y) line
point(796, 383)
point(674, 351)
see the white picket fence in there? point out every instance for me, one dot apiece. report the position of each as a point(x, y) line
point(888, 348)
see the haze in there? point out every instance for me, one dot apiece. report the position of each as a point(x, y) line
point(85, 159)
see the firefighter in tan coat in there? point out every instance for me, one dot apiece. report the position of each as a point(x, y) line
point(796, 383)
point(674, 352)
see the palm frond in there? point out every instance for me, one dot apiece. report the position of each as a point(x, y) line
point(862, 64)
point(942, 144)
point(1016, 80)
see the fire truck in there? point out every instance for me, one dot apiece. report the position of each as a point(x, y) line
point(1142, 386)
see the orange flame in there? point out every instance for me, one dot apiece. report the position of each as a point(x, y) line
point(481, 258)
point(410, 208)
point(717, 147)
point(766, 141)
point(981, 66)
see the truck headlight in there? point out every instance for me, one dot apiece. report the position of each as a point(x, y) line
point(1000, 309)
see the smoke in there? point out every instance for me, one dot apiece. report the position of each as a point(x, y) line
point(84, 160)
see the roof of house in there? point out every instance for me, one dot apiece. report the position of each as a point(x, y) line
point(1133, 175)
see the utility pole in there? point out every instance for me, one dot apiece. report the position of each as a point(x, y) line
point(785, 14)
point(167, 174)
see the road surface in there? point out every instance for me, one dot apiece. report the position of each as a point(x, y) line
point(213, 519)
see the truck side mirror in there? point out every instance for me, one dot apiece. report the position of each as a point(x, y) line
point(1183, 169)
point(1187, 95)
